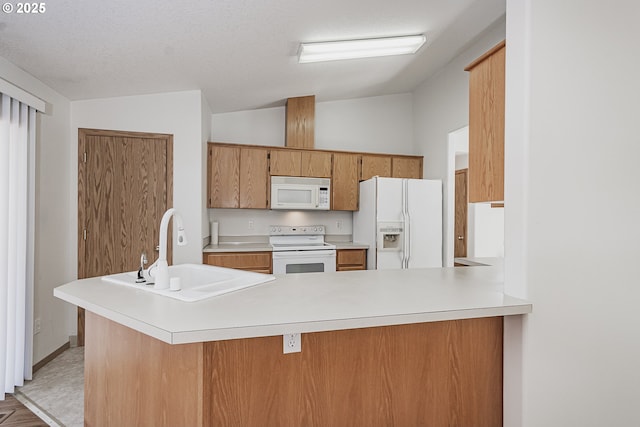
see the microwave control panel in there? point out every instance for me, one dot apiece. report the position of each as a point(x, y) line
point(323, 197)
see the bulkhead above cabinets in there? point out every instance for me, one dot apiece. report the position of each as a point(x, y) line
point(238, 175)
point(300, 122)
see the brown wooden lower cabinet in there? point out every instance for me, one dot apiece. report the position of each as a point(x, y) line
point(253, 261)
point(427, 374)
point(351, 259)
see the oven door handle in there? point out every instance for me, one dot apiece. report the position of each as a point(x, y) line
point(303, 254)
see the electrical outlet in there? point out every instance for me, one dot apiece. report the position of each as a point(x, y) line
point(251, 224)
point(291, 343)
point(36, 326)
point(339, 224)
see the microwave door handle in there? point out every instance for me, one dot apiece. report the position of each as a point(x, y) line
point(317, 197)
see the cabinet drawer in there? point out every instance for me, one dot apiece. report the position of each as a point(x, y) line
point(254, 261)
point(351, 259)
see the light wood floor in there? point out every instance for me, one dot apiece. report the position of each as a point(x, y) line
point(15, 414)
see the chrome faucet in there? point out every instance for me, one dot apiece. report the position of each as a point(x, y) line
point(143, 262)
point(161, 276)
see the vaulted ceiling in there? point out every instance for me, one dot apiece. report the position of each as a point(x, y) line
point(241, 53)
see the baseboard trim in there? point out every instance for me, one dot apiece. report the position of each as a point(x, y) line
point(50, 357)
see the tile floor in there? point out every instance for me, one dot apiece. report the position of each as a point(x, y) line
point(57, 389)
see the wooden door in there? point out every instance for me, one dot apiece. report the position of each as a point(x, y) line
point(344, 184)
point(316, 164)
point(284, 163)
point(406, 167)
point(461, 205)
point(375, 165)
point(125, 184)
point(223, 176)
point(253, 178)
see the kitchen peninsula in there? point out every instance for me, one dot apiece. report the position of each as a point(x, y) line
point(379, 348)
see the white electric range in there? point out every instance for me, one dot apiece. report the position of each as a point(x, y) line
point(301, 249)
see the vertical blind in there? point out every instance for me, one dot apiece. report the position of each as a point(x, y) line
point(17, 220)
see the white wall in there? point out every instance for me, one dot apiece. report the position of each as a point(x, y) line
point(485, 233)
point(380, 124)
point(177, 113)
point(462, 161)
point(256, 222)
point(55, 238)
point(376, 124)
point(256, 127)
point(572, 211)
point(441, 106)
point(205, 136)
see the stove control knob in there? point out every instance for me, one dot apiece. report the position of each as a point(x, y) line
point(315, 228)
point(279, 229)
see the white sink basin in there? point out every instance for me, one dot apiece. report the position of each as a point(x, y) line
point(198, 281)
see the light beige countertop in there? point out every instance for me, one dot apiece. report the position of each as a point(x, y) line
point(261, 244)
point(349, 245)
point(480, 261)
point(239, 247)
point(304, 303)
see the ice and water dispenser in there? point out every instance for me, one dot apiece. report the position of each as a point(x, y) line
point(390, 235)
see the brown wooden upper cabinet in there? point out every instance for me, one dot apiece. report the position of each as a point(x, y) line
point(406, 167)
point(254, 178)
point(285, 162)
point(300, 163)
point(375, 165)
point(237, 177)
point(486, 125)
point(390, 166)
point(344, 182)
point(316, 164)
point(223, 176)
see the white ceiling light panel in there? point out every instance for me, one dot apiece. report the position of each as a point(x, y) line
point(364, 48)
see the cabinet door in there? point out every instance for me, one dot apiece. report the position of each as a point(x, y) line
point(344, 182)
point(375, 165)
point(351, 259)
point(253, 178)
point(223, 173)
point(486, 127)
point(284, 163)
point(406, 167)
point(316, 163)
point(253, 261)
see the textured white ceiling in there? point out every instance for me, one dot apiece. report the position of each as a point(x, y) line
point(240, 53)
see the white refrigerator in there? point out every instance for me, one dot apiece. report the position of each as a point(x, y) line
point(401, 221)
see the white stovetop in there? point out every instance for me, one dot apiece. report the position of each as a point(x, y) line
point(310, 302)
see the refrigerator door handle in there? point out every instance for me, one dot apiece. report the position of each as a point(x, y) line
point(405, 223)
point(407, 226)
point(403, 218)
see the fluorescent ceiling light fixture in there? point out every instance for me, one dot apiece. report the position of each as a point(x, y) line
point(365, 48)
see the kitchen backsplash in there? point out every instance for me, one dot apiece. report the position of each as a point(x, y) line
point(256, 222)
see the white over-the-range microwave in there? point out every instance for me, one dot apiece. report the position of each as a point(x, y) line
point(290, 192)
